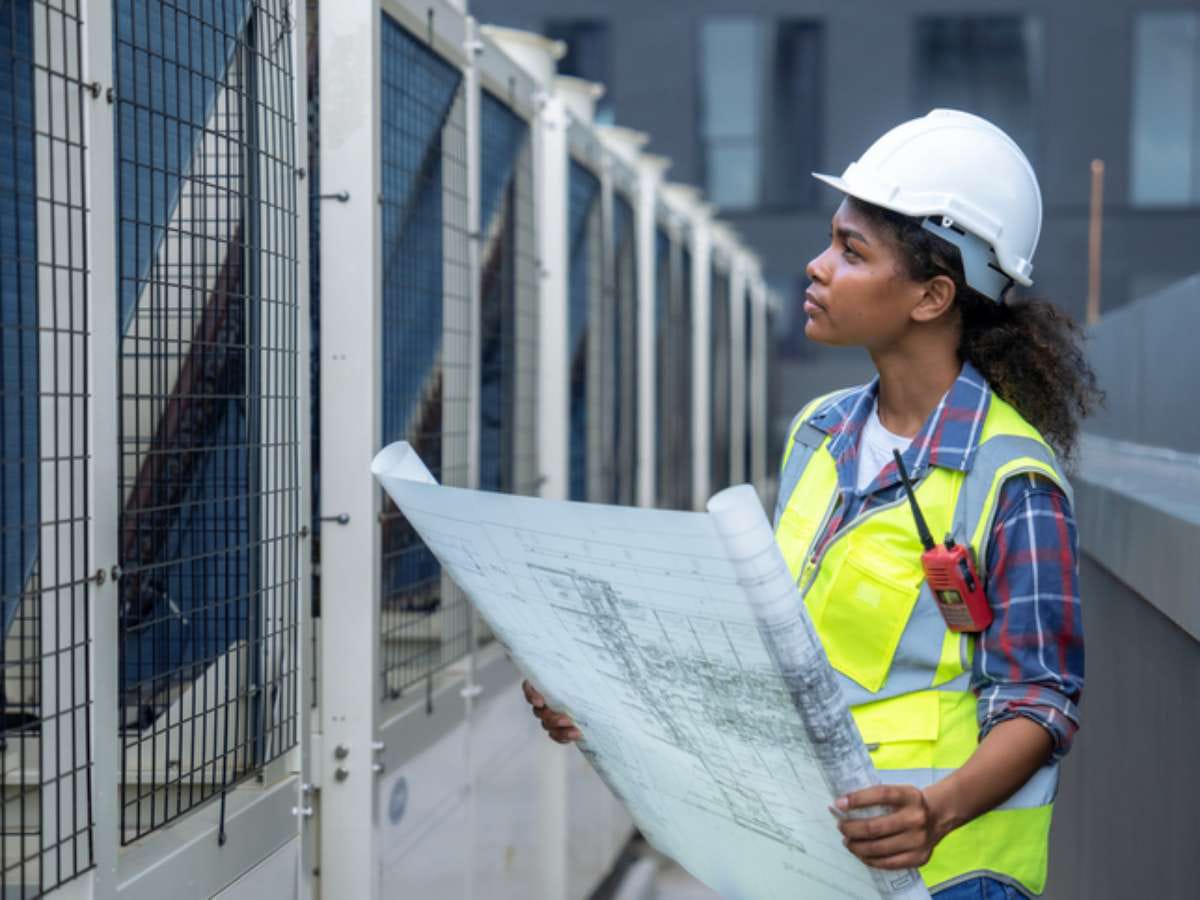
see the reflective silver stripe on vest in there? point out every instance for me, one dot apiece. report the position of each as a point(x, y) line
point(805, 439)
point(1039, 790)
point(993, 455)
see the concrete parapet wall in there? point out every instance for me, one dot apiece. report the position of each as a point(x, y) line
point(1145, 357)
point(1125, 821)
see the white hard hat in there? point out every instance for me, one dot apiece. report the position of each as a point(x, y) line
point(969, 179)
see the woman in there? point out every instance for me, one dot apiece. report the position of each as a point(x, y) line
point(981, 393)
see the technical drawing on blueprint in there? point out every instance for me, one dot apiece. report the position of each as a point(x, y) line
point(680, 646)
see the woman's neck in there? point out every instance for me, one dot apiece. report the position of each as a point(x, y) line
point(911, 384)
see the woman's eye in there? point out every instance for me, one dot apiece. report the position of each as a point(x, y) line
point(850, 254)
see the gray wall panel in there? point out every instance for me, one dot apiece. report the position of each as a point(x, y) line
point(1125, 821)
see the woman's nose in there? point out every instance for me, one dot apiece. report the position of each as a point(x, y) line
point(816, 270)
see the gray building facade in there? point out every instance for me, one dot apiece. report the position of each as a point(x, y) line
point(776, 88)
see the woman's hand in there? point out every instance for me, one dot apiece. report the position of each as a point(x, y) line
point(901, 839)
point(558, 725)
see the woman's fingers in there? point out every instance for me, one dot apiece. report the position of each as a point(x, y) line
point(533, 695)
point(559, 726)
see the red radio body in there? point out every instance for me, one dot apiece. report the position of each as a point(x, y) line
point(949, 571)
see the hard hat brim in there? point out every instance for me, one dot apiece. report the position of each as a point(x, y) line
point(889, 200)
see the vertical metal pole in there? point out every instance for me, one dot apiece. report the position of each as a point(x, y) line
point(300, 759)
point(470, 690)
point(550, 188)
point(103, 477)
point(738, 366)
point(1095, 231)
point(647, 380)
point(759, 375)
point(603, 422)
point(701, 362)
point(474, 247)
point(550, 173)
point(350, 368)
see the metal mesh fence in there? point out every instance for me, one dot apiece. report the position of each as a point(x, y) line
point(45, 704)
point(720, 362)
point(624, 352)
point(208, 429)
point(585, 278)
point(508, 400)
point(426, 306)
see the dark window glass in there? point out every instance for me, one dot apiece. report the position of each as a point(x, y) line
point(987, 65)
point(1165, 133)
point(589, 55)
point(760, 110)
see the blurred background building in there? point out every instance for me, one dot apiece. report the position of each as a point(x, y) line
point(747, 99)
point(246, 243)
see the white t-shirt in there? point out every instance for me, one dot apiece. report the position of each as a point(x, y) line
point(875, 448)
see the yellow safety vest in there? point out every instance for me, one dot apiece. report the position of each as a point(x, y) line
point(906, 676)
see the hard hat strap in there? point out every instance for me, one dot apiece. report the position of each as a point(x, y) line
point(980, 266)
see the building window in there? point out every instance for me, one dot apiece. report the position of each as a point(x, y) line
point(589, 55)
point(760, 110)
point(988, 65)
point(1166, 109)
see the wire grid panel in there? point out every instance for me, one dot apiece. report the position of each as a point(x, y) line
point(722, 373)
point(426, 337)
point(509, 303)
point(45, 705)
point(585, 273)
point(208, 418)
point(624, 360)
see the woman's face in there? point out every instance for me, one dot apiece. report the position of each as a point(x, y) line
point(860, 293)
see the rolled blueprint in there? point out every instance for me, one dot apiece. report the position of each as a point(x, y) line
point(677, 643)
point(793, 644)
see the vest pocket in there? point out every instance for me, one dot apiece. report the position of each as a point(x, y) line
point(865, 611)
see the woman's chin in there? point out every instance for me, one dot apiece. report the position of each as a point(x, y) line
point(814, 330)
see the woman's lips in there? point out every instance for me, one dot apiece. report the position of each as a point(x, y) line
point(811, 304)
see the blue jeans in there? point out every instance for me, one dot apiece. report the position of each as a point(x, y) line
point(980, 889)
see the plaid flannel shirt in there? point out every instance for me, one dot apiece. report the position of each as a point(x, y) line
point(1029, 661)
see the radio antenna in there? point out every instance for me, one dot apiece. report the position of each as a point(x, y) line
point(922, 528)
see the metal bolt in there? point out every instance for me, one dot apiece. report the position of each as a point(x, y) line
point(341, 751)
point(377, 768)
point(302, 811)
point(100, 576)
point(341, 773)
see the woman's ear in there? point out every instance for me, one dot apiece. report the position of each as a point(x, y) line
point(937, 298)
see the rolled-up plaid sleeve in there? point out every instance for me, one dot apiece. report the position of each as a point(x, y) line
point(1029, 662)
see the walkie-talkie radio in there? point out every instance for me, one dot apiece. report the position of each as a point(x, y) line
point(950, 572)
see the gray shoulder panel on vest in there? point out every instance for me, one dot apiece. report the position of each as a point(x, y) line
point(806, 438)
point(993, 455)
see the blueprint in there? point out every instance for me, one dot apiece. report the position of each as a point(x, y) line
point(678, 643)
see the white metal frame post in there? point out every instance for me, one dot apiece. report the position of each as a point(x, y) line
point(760, 375)
point(737, 365)
point(104, 477)
point(550, 180)
point(650, 174)
point(350, 367)
point(701, 216)
point(299, 760)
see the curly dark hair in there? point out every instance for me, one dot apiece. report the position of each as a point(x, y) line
point(1030, 352)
